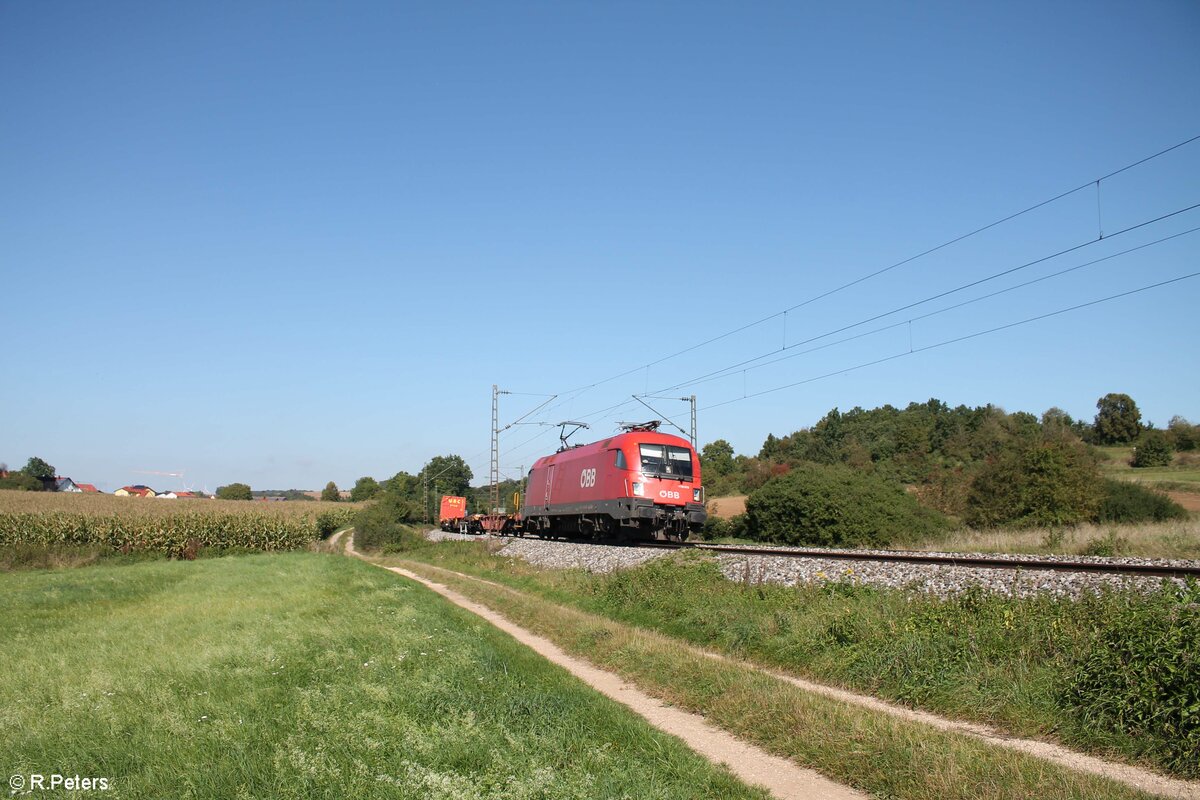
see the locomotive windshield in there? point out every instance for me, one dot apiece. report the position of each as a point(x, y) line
point(665, 460)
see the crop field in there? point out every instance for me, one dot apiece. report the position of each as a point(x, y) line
point(299, 675)
point(175, 527)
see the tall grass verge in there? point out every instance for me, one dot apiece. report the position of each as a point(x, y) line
point(1010, 663)
point(1174, 539)
point(881, 754)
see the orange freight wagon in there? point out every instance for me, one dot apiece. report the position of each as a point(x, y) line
point(453, 510)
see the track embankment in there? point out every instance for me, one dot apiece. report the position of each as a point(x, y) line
point(941, 745)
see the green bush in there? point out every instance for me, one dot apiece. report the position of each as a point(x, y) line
point(1140, 678)
point(1047, 483)
point(19, 481)
point(1154, 449)
point(717, 528)
point(381, 525)
point(235, 491)
point(836, 506)
point(1184, 435)
point(1131, 502)
point(714, 528)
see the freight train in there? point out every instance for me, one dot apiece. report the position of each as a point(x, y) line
point(639, 484)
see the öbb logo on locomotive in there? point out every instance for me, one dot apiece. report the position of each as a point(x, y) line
point(587, 478)
point(669, 495)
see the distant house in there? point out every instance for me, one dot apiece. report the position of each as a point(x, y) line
point(166, 496)
point(182, 495)
point(137, 490)
point(87, 488)
point(62, 484)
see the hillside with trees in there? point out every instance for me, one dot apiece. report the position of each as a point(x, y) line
point(981, 467)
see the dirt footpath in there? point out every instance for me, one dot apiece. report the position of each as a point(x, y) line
point(785, 779)
point(779, 776)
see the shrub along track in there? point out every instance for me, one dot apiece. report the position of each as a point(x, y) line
point(946, 731)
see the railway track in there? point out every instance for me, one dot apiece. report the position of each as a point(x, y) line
point(951, 559)
point(984, 561)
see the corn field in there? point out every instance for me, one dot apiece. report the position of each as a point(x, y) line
point(171, 526)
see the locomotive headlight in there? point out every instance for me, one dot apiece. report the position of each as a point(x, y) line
point(696, 495)
point(639, 489)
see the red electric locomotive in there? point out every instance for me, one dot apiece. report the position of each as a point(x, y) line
point(637, 484)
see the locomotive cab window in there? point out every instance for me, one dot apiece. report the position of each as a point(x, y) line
point(620, 464)
point(665, 460)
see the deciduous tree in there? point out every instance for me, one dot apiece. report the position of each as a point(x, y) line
point(36, 468)
point(364, 489)
point(451, 474)
point(1053, 482)
point(235, 491)
point(716, 459)
point(1184, 434)
point(1118, 420)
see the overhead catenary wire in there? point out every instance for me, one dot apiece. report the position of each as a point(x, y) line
point(529, 413)
point(745, 366)
point(929, 251)
point(757, 362)
point(572, 394)
point(955, 340)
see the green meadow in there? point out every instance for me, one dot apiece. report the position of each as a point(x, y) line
point(304, 676)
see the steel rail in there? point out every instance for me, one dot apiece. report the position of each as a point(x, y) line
point(911, 557)
point(965, 560)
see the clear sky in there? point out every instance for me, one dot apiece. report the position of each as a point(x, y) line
point(287, 243)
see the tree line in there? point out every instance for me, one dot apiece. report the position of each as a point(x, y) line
point(35, 476)
point(980, 466)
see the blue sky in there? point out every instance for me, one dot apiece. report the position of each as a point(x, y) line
point(287, 243)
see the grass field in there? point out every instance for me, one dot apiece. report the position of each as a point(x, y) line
point(1015, 664)
point(1183, 474)
point(304, 676)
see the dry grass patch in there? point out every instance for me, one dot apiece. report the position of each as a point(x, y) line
point(727, 507)
point(1177, 539)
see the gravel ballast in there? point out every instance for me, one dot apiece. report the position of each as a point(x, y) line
point(943, 580)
